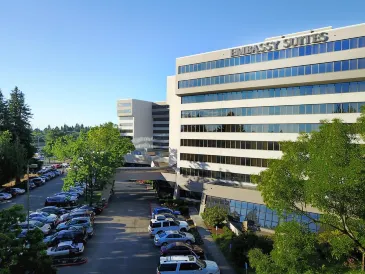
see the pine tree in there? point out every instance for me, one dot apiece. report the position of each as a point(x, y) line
point(4, 113)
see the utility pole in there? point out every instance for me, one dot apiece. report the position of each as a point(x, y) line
point(28, 194)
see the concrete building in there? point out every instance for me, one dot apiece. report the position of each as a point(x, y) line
point(230, 108)
point(147, 124)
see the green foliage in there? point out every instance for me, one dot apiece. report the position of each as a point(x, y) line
point(94, 155)
point(21, 255)
point(184, 210)
point(214, 216)
point(324, 169)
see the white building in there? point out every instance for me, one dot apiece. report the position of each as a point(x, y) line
point(230, 108)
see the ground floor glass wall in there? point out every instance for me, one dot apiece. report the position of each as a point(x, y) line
point(261, 215)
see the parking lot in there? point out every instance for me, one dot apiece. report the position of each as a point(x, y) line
point(121, 243)
point(37, 195)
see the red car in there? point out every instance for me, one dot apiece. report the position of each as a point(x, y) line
point(56, 166)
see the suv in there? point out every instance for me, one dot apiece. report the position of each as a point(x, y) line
point(157, 226)
point(186, 265)
point(162, 210)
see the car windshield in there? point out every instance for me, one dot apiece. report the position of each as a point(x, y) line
point(162, 234)
point(163, 211)
point(201, 263)
point(182, 234)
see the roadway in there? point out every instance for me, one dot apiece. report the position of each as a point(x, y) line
point(37, 195)
point(121, 243)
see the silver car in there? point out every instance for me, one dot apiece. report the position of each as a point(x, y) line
point(171, 236)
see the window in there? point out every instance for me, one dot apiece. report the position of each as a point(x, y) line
point(167, 267)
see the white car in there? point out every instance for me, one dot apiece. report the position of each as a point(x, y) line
point(157, 226)
point(45, 228)
point(167, 237)
point(5, 196)
point(19, 190)
point(186, 265)
point(65, 249)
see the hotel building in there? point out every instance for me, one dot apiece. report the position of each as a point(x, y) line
point(231, 108)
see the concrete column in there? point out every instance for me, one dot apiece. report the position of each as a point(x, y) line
point(176, 191)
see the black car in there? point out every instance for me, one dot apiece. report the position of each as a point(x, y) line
point(11, 191)
point(38, 181)
point(77, 236)
point(59, 201)
point(96, 209)
point(53, 210)
point(180, 248)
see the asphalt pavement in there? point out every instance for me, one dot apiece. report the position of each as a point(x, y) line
point(37, 195)
point(121, 243)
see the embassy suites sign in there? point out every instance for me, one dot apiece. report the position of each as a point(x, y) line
point(287, 43)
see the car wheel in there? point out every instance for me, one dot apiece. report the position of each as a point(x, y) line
point(188, 242)
point(183, 229)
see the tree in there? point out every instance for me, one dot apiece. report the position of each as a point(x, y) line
point(4, 113)
point(6, 154)
point(21, 255)
point(19, 117)
point(95, 155)
point(215, 216)
point(325, 170)
point(294, 252)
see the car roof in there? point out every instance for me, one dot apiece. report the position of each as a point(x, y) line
point(160, 208)
point(171, 259)
point(159, 221)
point(65, 243)
point(172, 232)
point(81, 218)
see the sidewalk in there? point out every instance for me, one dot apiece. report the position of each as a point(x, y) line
point(210, 247)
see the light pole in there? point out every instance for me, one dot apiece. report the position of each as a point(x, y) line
point(28, 195)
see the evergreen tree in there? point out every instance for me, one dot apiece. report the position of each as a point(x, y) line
point(4, 113)
point(19, 116)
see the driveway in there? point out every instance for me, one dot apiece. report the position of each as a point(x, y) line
point(121, 243)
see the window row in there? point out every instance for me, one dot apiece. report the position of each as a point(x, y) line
point(161, 119)
point(160, 137)
point(161, 144)
point(125, 111)
point(275, 110)
point(345, 44)
point(160, 112)
point(276, 92)
point(126, 119)
point(124, 104)
point(160, 131)
point(336, 66)
point(160, 125)
point(156, 106)
point(126, 131)
point(257, 145)
point(226, 160)
point(220, 175)
point(261, 128)
point(259, 215)
point(126, 124)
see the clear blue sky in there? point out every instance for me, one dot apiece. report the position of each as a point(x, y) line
point(74, 59)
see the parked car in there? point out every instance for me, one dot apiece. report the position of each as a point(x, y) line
point(71, 197)
point(11, 191)
point(53, 210)
point(96, 209)
point(46, 178)
point(163, 216)
point(75, 214)
point(186, 264)
point(77, 191)
point(157, 226)
point(77, 236)
point(59, 201)
point(32, 185)
point(45, 228)
point(180, 248)
point(19, 191)
point(79, 221)
point(161, 210)
point(167, 237)
point(67, 248)
point(38, 181)
point(5, 196)
point(52, 219)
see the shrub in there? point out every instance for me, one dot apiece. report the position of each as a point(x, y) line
point(198, 239)
point(214, 216)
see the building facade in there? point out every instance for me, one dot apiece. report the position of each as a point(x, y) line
point(229, 110)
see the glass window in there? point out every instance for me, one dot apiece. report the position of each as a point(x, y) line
point(294, 71)
point(282, 54)
point(315, 69)
point(282, 72)
point(337, 66)
point(276, 55)
point(287, 72)
point(345, 44)
point(308, 70)
point(345, 65)
point(295, 52)
point(301, 70)
point(269, 74)
point(337, 45)
point(288, 53)
point(330, 46)
point(301, 51)
point(361, 63)
point(315, 49)
point(322, 48)
point(308, 50)
point(264, 57)
point(361, 42)
point(354, 43)
point(329, 67)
